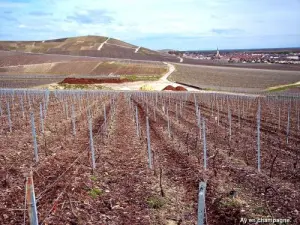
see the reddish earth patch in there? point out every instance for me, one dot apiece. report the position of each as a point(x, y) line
point(171, 88)
point(180, 88)
point(93, 81)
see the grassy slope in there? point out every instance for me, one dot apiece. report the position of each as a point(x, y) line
point(283, 87)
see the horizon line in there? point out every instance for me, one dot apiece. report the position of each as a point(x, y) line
point(199, 50)
point(239, 49)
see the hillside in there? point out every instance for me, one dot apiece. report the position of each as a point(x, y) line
point(232, 79)
point(94, 46)
point(20, 69)
point(84, 68)
point(104, 47)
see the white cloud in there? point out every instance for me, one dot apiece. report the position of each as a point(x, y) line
point(134, 20)
point(176, 17)
point(22, 26)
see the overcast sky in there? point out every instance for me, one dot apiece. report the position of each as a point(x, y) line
point(158, 24)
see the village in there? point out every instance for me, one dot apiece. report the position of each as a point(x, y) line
point(238, 56)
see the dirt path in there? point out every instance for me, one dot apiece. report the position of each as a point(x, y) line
point(171, 69)
point(156, 85)
point(124, 172)
point(101, 45)
point(162, 83)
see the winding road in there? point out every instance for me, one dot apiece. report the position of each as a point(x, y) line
point(156, 85)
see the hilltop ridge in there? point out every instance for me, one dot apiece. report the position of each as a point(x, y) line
point(94, 46)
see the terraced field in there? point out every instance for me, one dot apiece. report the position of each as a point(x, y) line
point(27, 81)
point(88, 68)
point(30, 70)
point(17, 58)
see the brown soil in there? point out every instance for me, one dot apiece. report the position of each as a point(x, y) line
point(171, 88)
point(66, 65)
point(80, 67)
point(180, 88)
point(65, 184)
point(16, 58)
point(129, 69)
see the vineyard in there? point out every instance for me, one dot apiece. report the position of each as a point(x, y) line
point(104, 157)
point(27, 81)
point(232, 79)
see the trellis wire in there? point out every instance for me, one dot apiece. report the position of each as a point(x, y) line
point(298, 120)
point(147, 111)
point(218, 113)
point(1, 113)
point(148, 144)
point(89, 112)
point(229, 120)
point(239, 110)
point(137, 121)
point(180, 110)
point(199, 123)
point(212, 107)
point(104, 110)
point(41, 118)
point(22, 106)
point(288, 124)
point(204, 145)
point(34, 137)
point(176, 113)
point(113, 109)
point(45, 109)
point(279, 118)
point(64, 108)
point(243, 112)
point(201, 203)
point(196, 108)
point(198, 115)
point(80, 100)
point(92, 143)
point(168, 118)
point(25, 204)
point(30, 195)
point(73, 121)
point(67, 110)
point(9, 117)
point(258, 136)
point(29, 102)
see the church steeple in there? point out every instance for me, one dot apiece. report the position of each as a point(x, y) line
point(218, 53)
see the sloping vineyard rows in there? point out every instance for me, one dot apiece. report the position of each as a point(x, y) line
point(58, 146)
point(237, 155)
point(245, 149)
point(27, 83)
